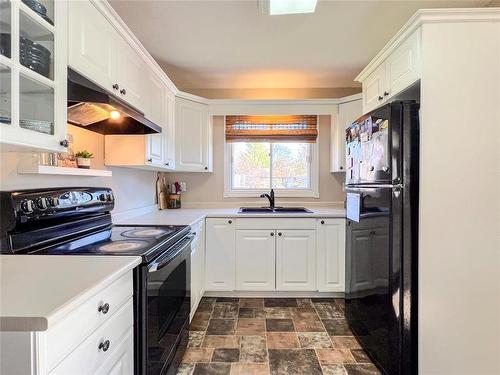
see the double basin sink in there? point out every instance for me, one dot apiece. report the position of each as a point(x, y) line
point(273, 210)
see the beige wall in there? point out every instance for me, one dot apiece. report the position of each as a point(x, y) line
point(209, 187)
point(286, 93)
point(132, 188)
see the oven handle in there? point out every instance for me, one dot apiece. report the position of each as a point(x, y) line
point(163, 261)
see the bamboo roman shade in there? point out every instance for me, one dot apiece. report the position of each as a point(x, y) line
point(290, 128)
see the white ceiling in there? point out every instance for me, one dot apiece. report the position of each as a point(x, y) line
point(215, 44)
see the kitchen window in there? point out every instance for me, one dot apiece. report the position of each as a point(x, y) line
point(274, 152)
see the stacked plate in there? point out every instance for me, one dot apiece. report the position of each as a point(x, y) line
point(34, 56)
point(5, 44)
point(39, 9)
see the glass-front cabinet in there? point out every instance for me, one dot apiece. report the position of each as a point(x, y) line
point(33, 74)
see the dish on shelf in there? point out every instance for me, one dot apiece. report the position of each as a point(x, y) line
point(34, 56)
point(5, 44)
point(46, 127)
point(39, 9)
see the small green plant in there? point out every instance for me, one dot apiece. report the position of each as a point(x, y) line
point(84, 154)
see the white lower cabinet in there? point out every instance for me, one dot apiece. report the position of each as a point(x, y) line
point(330, 265)
point(197, 265)
point(220, 254)
point(255, 260)
point(95, 338)
point(295, 260)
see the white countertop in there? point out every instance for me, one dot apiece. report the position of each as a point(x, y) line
point(189, 216)
point(37, 290)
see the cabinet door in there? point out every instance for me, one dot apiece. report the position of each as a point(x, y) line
point(195, 274)
point(220, 254)
point(348, 112)
point(403, 65)
point(331, 255)
point(92, 44)
point(255, 267)
point(155, 113)
point(295, 260)
point(373, 89)
point(191, 136)
point(121, 360)
point(169, 130)
point(361, 261)
point(130, 68)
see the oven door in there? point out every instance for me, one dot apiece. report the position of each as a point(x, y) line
point(166, 308)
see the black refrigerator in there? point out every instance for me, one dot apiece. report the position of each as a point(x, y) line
point(382, 150)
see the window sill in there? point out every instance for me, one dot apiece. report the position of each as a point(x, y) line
point(279, 193)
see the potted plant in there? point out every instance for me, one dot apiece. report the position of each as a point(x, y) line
point(83, 159)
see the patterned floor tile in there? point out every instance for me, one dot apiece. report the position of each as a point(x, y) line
point(221, 327)
point(282, 340)
point(345, 342)
point(273, 313)
point(257, 303)
point(212, 369)
point(308, 325)
point(246, 312)
point(337, 327)
point(253, 349)
point(360, 356)
point(185, 369)
point(303, 312)
point(362, 369)
point(329, 311)
point(216, 341)
point(334, 356)
point(304, 302)
point(334, 370)
point(226, 355)
point(280, 302)
point(293, 362)
point(250, 326)
point(225, 310)
point(195, 338)
point(193, 355)
point(279, 325)
point(314, 340)
point(250, 369)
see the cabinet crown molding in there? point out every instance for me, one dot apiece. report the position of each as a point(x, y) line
point(423, 16)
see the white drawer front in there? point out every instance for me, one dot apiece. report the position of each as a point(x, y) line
point(88, 357)
point(276, 223)
point(121, 359)
point(80, 323)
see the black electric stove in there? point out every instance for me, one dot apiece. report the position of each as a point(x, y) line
point(77, 221)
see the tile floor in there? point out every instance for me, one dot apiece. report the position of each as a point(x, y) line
point(279, 336)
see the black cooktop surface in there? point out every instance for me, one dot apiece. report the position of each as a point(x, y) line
point(140, 240)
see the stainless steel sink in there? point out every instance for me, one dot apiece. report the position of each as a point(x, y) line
point(289, 210)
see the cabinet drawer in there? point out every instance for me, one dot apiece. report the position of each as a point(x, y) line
point(276, 223)
point(81, 322)
point(121, 359)
point(88, 357)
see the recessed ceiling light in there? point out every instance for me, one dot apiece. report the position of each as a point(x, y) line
point(281, 7)
point(115, 115)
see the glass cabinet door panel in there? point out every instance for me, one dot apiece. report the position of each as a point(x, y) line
point(5, 28)
point(36, 46)
point(5, 94)
point(42, 8)
point(36, 106)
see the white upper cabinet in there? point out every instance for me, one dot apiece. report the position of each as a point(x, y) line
point(295, 260)
point(33, 97)
point(220, 254)
point(255, 252)
point(396, 72)
point(92, 44)
point(192, 136)
point(169, 130)
point(331, 255)
point(100, 53)
point(348, 112)
point(156, 113)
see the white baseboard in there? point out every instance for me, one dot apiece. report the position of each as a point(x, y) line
point(274, 294)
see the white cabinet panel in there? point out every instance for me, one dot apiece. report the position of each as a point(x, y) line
point(373, 89)
point(403, 65)
point(92, 44)
point(255, 252)
point(169, 130)
point(331, 255)
point(197, 265)
point(121, 360)
point(192, 136)
point(220, 254)
point(295, 260)
point(348, 112)
point(155, 112)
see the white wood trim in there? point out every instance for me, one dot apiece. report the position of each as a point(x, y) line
point(274, 294)
point(313, 192)
point(193, 98)
point(423, 16)
point(47, 169)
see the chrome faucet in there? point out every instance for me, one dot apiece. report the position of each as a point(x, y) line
point(270, 197)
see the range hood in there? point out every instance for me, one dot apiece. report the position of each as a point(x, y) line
point(92, 107)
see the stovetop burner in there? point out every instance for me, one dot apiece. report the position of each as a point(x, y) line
point(146, 241)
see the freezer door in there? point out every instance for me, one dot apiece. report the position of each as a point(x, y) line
point(372, 146)
point(373, 275)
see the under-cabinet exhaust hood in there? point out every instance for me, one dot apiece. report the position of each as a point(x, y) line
point(93, 108)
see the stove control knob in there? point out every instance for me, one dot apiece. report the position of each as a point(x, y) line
point(41, 203)
point(102, 197)
point(27, 206)
point(109, 197)
point(53, 202)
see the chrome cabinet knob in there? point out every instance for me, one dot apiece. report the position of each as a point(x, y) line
point(150, 160)
point(64, 143)
point(322, 222)
point(280, 234)
point(123, 92)
point(104, 308)
point(272, 234)
point(229, 221)
point(386, 93)
point(380, 97)
point(104, 346)
point(115, 86)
